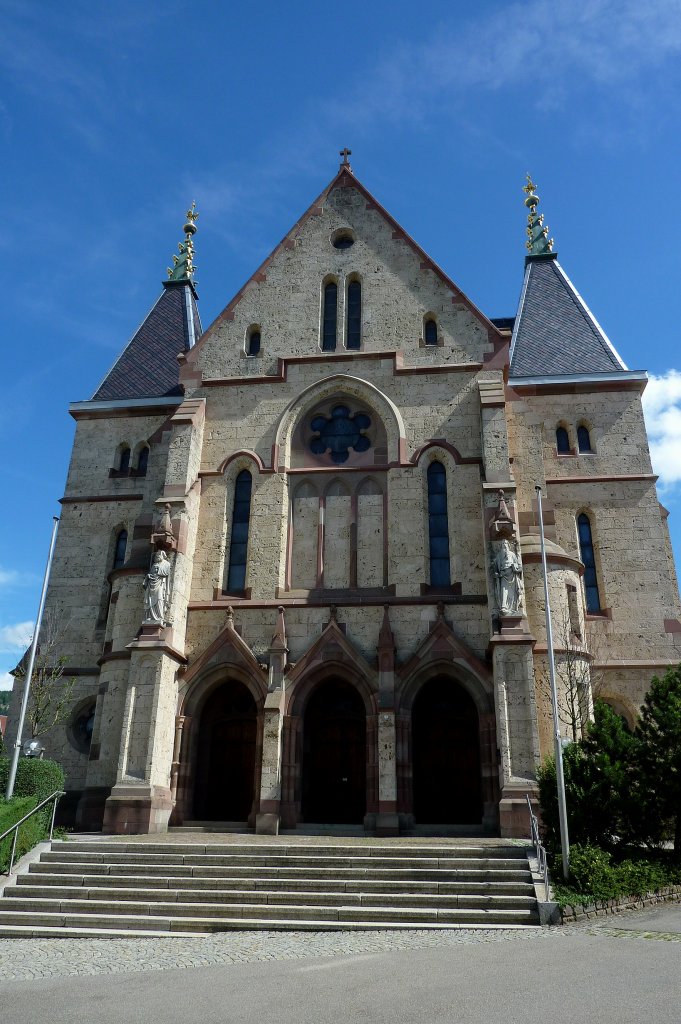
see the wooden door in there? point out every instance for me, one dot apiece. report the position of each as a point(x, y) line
point(334, 755)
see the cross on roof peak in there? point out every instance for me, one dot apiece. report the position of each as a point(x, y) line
point(345, 153)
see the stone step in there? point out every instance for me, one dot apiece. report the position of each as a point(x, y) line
point(291, 850)
point(257, 861)
point(246, 917)
point(45, 898)
point(271, 873)
point(368, 885)
point(35, 931)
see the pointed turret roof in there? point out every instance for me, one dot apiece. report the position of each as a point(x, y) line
point(148, 366)
point(555, 333)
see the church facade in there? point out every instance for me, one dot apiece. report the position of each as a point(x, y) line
point(298, 574)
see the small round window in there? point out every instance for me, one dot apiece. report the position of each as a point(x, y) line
point(342, 240)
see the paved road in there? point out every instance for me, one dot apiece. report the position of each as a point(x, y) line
point(620, 970)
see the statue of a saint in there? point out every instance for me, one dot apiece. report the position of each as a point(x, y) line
point(156, 589)
point(507, 578)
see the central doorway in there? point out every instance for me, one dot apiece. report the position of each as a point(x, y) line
point(446, 755)
point(334, 755)
point(225, 769)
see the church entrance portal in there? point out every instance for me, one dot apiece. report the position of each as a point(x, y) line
point(334, 755)
point(446, 755)
point(225, 767)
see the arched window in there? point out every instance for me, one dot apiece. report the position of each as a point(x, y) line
point(238, 547)
point(119, 549)
point(253, 347)
point(329, 316)
point(353, 331)
point(143, 461)
point(430, 331)
point(438, 525)
point(562, 441)
point(583, 439)
point(586, 551)
point(124, 461)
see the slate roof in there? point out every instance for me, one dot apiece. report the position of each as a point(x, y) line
point(148, 367)
point(555, 333)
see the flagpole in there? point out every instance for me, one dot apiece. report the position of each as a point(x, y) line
point(558, 746)
point(29, 671)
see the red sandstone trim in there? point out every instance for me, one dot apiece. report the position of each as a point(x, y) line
point(105, 414)
point(520, 392)
point(85, 498)
point(601, 478)
point(342, 602)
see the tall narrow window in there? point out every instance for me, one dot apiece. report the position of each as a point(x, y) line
point(119, 550)
point(330, 316)
point(253, 348)
point(238, 547)
point(583, 439)
point(354, 318)
point(586, 550)
point(430, 332)
point(143, 461)
point(438, 526)
point(562, 441)
point(124, 463)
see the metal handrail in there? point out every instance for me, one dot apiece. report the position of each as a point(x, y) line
point(58, 793)
point(539, 849)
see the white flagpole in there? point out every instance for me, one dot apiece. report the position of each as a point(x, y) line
point(558, 746)
point(29, 671)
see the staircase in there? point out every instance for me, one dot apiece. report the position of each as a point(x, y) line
point(119, 887)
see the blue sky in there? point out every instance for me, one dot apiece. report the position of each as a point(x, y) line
point(114, 117)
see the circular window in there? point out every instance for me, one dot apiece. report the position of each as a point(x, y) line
point(342, 239)
point(339, 433)
point(82, 725)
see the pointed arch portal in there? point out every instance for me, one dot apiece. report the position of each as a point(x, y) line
point(446, 755)
point(225, 769)
point(334, 754)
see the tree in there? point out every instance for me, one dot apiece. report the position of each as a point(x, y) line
point(51, 691)
point(577, 682)
point(658, 761)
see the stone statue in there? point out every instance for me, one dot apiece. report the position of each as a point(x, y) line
point(156, 589)
point(507, 578)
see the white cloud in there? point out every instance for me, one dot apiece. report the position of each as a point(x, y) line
point(16, 637)
point(662, 410)
point(6, 681)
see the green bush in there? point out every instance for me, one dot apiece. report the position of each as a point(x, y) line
point(30, 833)
point(595, 878)
point(34, 777)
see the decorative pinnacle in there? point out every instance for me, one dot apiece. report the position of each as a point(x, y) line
point(538, 242)
point(183, 265)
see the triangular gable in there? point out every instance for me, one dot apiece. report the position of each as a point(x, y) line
point(555, 332)
point(443, 643)
point(331, 645)
point(227, 648)
point(148, 366)
point(346, 179)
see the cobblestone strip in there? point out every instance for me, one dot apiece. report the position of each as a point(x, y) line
point(23, 959)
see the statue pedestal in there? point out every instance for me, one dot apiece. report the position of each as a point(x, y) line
point(513, 625)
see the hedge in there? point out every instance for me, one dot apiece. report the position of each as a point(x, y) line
point(594, 877)
point(34, 777)
point(30, 833)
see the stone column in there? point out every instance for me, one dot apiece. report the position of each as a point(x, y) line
point(268, 819)
point(387, 820)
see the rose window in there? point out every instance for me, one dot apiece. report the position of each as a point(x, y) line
point(339, 433)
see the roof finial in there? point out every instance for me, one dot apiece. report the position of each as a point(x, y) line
point(183, 265)
point(345, 153)
point(538, 242)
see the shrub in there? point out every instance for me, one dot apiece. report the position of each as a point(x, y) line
point(595, 878)
point(30, 833)
point(34, 777)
